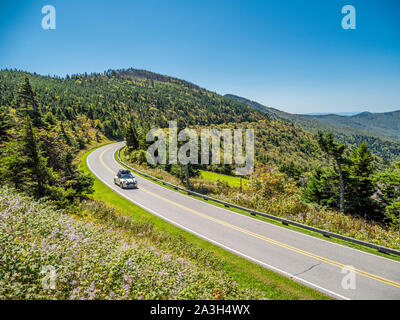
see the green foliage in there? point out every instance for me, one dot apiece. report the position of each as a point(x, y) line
point(328, 145)
point(138, 156)
point(37, 156)
point(36, 175)
point(362, 187)
point(5, 124)
point(323, 187)
point(131, 136)
point(291, 170)
point(335, 150)
point(388, 184)
point(27, 104)
point(276, 143)
point(118, 97)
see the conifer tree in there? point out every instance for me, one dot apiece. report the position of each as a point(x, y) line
point(27, 104)
point(388, 183)
point(4, 125)
point(38, 175)
point(361, 169)
point(334, 150)
point(131, 136)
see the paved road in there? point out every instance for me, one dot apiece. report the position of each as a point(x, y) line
point(315, 262)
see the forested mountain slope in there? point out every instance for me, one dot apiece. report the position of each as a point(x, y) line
point(116, 97)
point(380, 130)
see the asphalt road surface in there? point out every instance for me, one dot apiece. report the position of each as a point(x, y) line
point(339, 271)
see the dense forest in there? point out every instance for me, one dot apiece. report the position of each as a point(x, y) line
point(113, 98)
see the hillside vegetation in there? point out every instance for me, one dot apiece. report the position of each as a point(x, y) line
point(96, 254)
point(112, 99)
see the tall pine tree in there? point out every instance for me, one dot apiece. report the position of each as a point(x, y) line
point(27, 104)
point(4, 125)
point(131, 136)
point(334, 150)
point(361, 169)
point(38, 175)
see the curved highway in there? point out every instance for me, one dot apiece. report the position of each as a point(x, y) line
point(339, 271)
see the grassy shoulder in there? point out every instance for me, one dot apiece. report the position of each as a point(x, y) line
point(215, 176)
point(247, 274)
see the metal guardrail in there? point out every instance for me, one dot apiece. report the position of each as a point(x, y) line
point(284, 221)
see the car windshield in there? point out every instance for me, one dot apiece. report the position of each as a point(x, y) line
point(126, 176)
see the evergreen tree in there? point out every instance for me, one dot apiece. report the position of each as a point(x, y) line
point(388, 184)
point(362, 186)
point(65, 135)
point(322, 188)
point(131, 136)
point(361, 161)
point(4, 125)
point(50, 119)
point(38, 175)
point(79, 184)
point(27, 104)
point(334, 150)
point(291, 170)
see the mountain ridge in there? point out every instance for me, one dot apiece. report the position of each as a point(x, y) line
point(383, 138)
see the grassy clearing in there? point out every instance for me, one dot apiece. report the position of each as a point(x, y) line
point(247, 274)
point(231, 180)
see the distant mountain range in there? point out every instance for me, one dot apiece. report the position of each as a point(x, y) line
point(385, 124)
point(380, 130)
point(345, 114)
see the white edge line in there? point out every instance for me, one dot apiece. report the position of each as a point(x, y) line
point(275, 225)
point(291, 276)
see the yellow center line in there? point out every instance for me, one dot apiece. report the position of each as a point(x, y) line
point(266, 239)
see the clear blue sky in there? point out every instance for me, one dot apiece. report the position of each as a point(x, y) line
point(288, 54)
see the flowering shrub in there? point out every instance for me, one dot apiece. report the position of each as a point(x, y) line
point(97, 256)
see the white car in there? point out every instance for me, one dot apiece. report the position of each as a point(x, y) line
point(125, 179)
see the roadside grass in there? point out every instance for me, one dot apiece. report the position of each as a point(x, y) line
point(246, 273)
point(231, 180)
point(264, 219)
